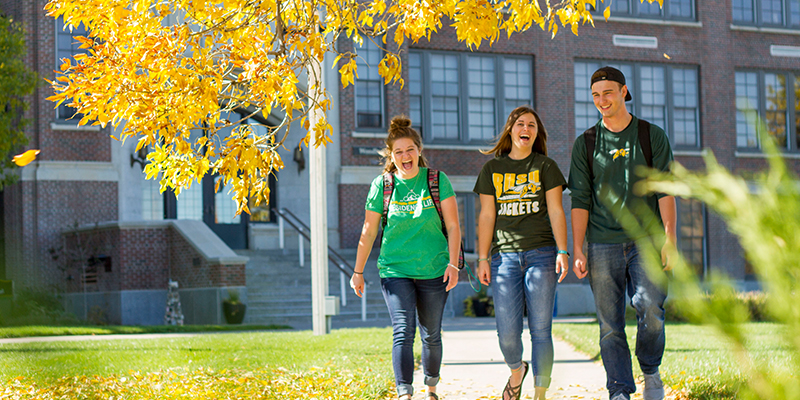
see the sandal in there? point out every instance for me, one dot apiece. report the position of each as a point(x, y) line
point(432, 396)
point(515, 393)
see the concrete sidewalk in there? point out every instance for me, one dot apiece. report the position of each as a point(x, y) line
point(473, 367)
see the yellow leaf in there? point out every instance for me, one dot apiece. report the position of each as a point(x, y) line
point(25, 158)
point(607, 12)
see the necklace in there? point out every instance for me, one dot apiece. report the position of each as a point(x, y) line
point(412, 191)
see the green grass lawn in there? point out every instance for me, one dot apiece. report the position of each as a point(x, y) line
point(347, 363)
point(46, 330)
point(697, 360)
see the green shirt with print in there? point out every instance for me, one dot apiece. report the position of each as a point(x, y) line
point(413, 245)
point(519, 187)
point(618, 158)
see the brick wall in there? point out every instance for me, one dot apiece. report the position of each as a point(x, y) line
point(714, 47)
point(143, 258)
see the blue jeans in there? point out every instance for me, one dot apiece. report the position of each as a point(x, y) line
point(412, 301)
point(519, 279)
point(613, 269)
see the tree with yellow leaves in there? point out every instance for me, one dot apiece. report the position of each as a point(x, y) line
point(161, 69)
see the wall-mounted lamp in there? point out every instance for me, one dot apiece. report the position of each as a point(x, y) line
point(139, 157)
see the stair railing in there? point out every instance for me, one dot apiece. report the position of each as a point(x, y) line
point(345, 269)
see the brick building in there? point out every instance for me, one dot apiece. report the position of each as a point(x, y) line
point(698, 69)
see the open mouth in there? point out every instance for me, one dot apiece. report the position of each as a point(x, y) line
point(524, 138)
point(407, 165)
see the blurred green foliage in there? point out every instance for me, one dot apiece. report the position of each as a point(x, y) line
point(764, 213)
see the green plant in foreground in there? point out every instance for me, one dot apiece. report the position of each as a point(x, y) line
point(765, 215)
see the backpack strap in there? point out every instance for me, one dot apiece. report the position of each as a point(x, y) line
point(644, 142)
point(433, 188)
point(590, 136)
point(388, 188)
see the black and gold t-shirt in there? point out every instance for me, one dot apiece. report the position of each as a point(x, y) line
point(518, 188)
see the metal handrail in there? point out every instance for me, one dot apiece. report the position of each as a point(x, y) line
point(304, 230)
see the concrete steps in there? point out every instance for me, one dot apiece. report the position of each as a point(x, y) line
point(279, 290)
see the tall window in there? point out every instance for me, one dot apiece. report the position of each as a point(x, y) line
point(691, 233)
point(666, 95)
point(465, 97)
point(67, 46)
point(369, 87)
point(774, 13)
point(469, 207)
point(682, 10)
point(152, 200)
point(768, 102)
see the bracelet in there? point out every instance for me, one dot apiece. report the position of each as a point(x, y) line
point(360, 273)
point(451, 265)
point(563, 252)
point(483, 259)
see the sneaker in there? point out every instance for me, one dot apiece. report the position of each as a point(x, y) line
point(621, 396)
point(653, 387)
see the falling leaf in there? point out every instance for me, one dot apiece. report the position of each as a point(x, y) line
point(667, 56)
point(25, 158)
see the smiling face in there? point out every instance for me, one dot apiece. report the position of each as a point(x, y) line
point(609, 98)
point(523, 134)
point(405, 156)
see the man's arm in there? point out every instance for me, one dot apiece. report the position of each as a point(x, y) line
point(580, 220)
point(666, 206)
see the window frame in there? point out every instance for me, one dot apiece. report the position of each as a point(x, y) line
point(62, 31)
point(703, 269)
point(791, 112)
point(634, 12)
point(635, 105)
point(425, 125)
point(383, 100)
point(469, 229)
point(757, 17)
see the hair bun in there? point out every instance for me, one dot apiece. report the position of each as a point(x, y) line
point(400, 121)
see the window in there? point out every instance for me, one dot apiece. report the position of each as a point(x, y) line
point(682, 10)
point(770, 13)
point(469, 207)
point(691, 233)
point(152, 200)
point(767, 102)
point(465, 97)
point(369, 87)
point(66, 47)
point(666, 95)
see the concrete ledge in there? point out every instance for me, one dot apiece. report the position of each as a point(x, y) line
point(196, 233)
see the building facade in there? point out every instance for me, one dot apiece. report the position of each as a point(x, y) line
point(701, 70)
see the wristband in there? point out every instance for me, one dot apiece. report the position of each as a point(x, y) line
point(451, 265)
point(356, 272)
point(563, 252)
point(483, 259)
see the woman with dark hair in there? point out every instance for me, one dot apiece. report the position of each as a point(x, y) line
point(417, 264)
point(522, 241)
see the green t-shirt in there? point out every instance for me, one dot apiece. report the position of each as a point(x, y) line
point(617, 158)
point(413, 245)
point(518, 188)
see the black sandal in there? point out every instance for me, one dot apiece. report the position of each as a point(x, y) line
point(433, 396)
point(515, 393)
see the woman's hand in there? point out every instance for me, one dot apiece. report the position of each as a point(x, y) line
point(562, 266)
point(357, 283)
point(451, 277)
point(484, 272)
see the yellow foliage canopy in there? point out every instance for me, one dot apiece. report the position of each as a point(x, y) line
point(163, 69)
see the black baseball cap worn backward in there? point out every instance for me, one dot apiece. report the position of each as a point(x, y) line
point(610, 74)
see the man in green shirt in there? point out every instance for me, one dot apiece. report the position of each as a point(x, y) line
point(598, 189)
